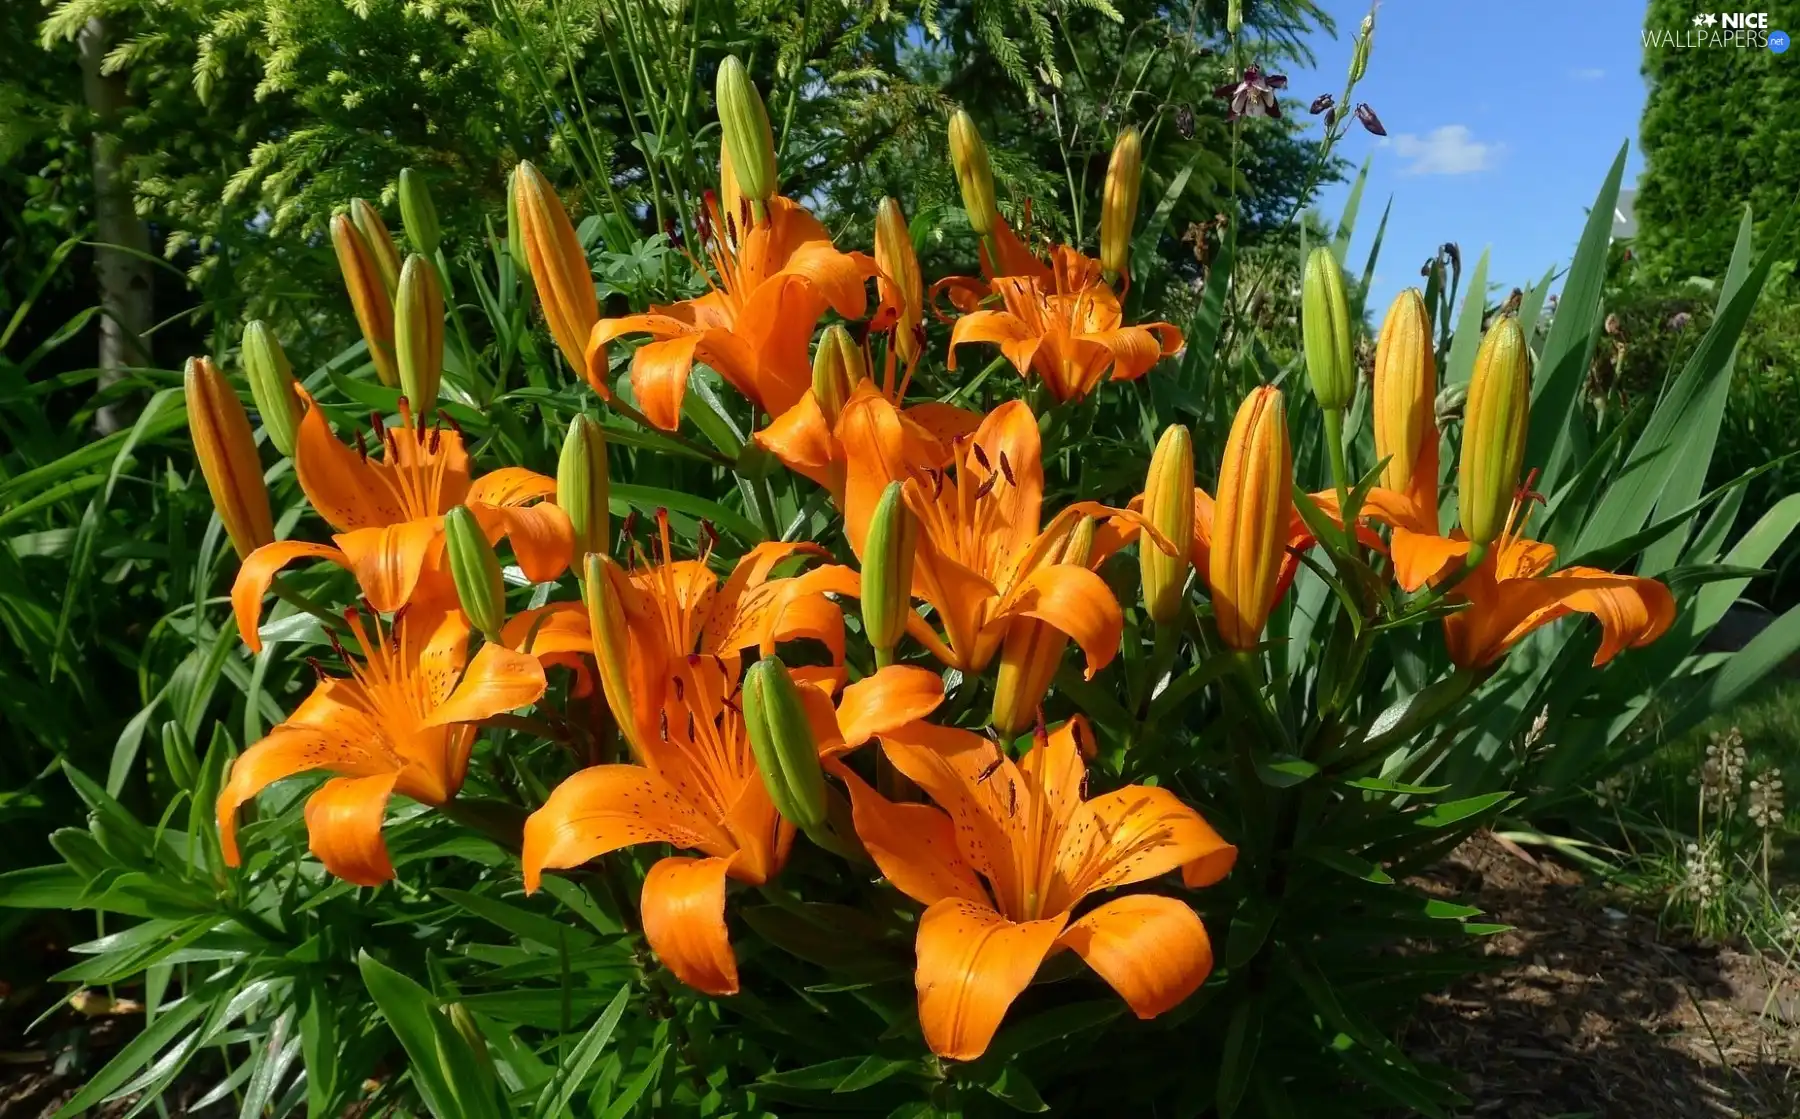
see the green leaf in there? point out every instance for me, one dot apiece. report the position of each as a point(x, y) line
point(42, 887)
point(625, 495)
point(1283, 771)
point(1242, 1039)
point(446, 1071)
point(1456, 811)
point(1460, 365)
point(1382, 785)
point(1014, 1089)
point(156, 1036)
point(1052, 1025)
point(1345, 863)
point(572, 1072)
point(826, 1075)
point(1766, 652)
point(522, 923)
point(872, 1071)
point(625, 1102)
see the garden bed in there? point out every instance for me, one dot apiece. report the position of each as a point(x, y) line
point(1598, 1011)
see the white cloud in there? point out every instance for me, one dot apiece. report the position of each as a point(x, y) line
point(1587, 74)
point(1449, 150)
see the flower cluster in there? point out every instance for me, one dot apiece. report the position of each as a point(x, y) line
point(1721, 775)
point(1704, 870)
point(1766, 803)
point(727, 754)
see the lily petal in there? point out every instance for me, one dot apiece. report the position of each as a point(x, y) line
point(342, 747)
point(346, 488)
point(1077, 602)
point(888, 700)
point(541, 536)
point(1134, 834)
point(607, 807)
point(498, 679)
point(343, 827)
point(683, 908)
point(659, 377)
point(555, 634)
point(1153, 950)
point(972, 964)
point(510, 485)
point(914, 845)
point(387, 560)
point(258, 572)
point(801, 439)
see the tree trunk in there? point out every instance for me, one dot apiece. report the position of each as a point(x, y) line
point(123, 278)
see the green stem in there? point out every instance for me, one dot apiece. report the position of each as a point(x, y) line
point(288, 593)
point(1340, 470)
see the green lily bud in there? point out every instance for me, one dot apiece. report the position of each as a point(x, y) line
point(417, 214)
point(178, 755)
point(1359, 51)
point(1169, 505)
point(271, 385)
point(887, 572)
point(419, 333)
point(367, 220)
point(515, 235)
point(464, 1024)
point(974, 175)
point(604, 586)
point(837, 369)
point(1234, 17)
point(475, 570)
point(1495, 420)
point(583, 487)
point(1325, 327)
point(1118, 209)
point(748, 136)
point(782, 740)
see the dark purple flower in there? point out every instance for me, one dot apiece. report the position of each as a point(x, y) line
point(1322, 103)
point(1184, 122)
point(1254, 96)
point(1369, 120)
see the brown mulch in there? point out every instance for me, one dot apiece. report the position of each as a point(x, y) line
point(1598, 1012)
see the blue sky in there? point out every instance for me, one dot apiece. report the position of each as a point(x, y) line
point(1502, 120)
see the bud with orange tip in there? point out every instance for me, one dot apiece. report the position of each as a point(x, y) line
point(838, 368)
point(1495, 421)
point(419, 333)
point(371, 297)
point(1251, 519)
point(584, 488)
point(1405, 391)
point(1033, 649)
point(1118, 209)
point(603, 586)
point(1169, 505)
point(745, 124)
point(381, 243)
point(974, 175)
point(560, 272)
point(899, 282)
point(227, 450)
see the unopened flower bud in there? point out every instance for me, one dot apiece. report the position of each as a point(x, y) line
point(370, 296)
point(1234, 17)
point(475, 569)
point(781, 738)
point(1325, 327)
point(417, 213)
point(887, 571)
point(381, 243)
point(560, 272)
point(968, 155)
point(515, 234)
point(1495, 420)
point(1359, 50)
point(837, 369)
point(178, 755)
point(1169, 505)
point(731, 194)
point(419, 333)
point(745, 124)
point(603, 588)
point(583, 489)
point(226, 448)
point(465, 1025)
point(1118, 211)
point(1250, 519)
point(271, 385)
point(1405, 388)
point(899, 282)
point(1034, 650)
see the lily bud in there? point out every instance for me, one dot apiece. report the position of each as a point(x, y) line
point(968, 155)
point(370, 296)
point(1118, 209)
point(560, 271)
point(583, 488)
point(1405, 388)
point(745, 124)
point(1495, 420)
point(1251, 517)
point(731, 195)
point(1325, 326)
point(178, 755)
point(887, 571)
point(781, 738)
point(602, 588)
point(475, 569)
point(1169, 505)
point(417, 213)
point(1033, 650)
point(227, 451)
point(515, 234)
point(1234, 17)
point(1359, 50)
point(271, 385)
point(381, 243)
point(419, 333)
point(837, 369)
point(900, 284)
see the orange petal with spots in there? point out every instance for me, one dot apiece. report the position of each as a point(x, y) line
point(497, 680)
point(607, 807)
point(1153, 950)
point(258, 572)
point(914, 845)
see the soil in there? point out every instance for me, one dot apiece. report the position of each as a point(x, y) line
point(1596, 1011)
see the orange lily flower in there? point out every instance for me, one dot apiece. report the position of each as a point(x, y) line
point(982, 559)
point(1015, 258)
point(401, 722)
point(774, 278)
point(1003, 860)
point(698, 788)
point(1514, 591)
point(388, 513)
point(1069, 330)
